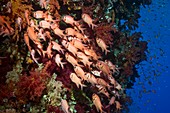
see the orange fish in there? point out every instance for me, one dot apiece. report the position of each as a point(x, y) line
point(104, 68)
point(103, 90)
point(65, 106)
point(84, 59)
point(111, 102)
point(118, 86)
point(112, 80)
point(97, 102)
point(57, 47)
point(112, 67)
point(91, 78)
point(38, 14)
point(70, 47)
point(102, 82)
point(69, 20)
point(82, 37)
point(118, 105)
point(70, 31)
point(32, 35)
point(44, 24)
point(71, 59)
point(26, 39)
point(33, 56)
point(57, 30)
point(86, 18)
point(58, 61)
point(102, 45)
point(78, 44)
point(76, 80)
point(49, 51)
point(80, 72)
point(91, 53)
point(26, 15)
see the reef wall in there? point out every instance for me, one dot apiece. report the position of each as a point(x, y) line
point(68, 55)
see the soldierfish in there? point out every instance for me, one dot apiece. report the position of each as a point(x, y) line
point(70, 47)
point(97, 102)
point(80, 72)
point(103, 67)
point(74, 78)
point(57, 47)
point(58, 61)
point(69, 20)
point(86, 18)
point(65, 106)
point(71, 59)
point(102, 45)
point(91, 78)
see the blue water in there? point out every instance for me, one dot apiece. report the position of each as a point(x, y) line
point(151, 93)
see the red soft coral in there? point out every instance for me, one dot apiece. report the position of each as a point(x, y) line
point(31, 86)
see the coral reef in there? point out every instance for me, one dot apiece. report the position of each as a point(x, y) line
point(68, 55)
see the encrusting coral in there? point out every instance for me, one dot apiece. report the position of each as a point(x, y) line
point(69, 56)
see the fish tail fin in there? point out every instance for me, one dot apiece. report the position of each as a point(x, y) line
point(93, 25)
point(107, 51)
point(82, 85)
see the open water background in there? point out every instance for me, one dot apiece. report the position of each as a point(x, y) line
point(151, 92)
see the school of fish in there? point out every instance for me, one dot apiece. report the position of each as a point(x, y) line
point(72, 44)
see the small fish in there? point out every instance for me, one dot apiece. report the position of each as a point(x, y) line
point(41, 35)
point(82, 37)
point(86, 18)
point(97, 102)
point(103, 90)
point(69, 20)
point(112, 67)
point(49, 18)
point(26, 39)
point(49, 51)
point(38, 14)
point(70, 31)
point(102, 45)
point(103, 67)
point(43, 4)
point(91, 53)
point(102, 82)
point(112, 80)
point(19, 22)
point(70, 47)
point(91, 78)
point(65, 106)
point(84, 59)
point(57, 47)
point(57, 30)
point(32, 35)
point(74, 78)
point(118, 105)
point(33, 56)
point(80, 72)
point(44, 24)
point(26, 15)
point(58, 61)
point(78, 44)
point(111, 102)
point(118, 86)
point(32, 24)
point(71, 59)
